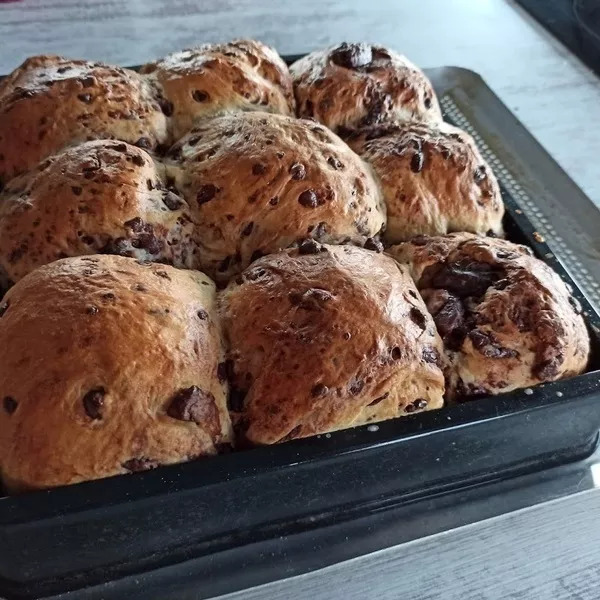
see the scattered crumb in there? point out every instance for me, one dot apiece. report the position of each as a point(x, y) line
point(519, 211)
point(373, 428)
point(538, 237)
point(549, 255)
point(327, 435)
point(529, 391)
point(559, 394)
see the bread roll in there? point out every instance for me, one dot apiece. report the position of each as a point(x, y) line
point(259, 182)
point(327, 337)
point(108, 366)
point(212, 78)
point(507, 320)
point(354, 85)
point(433, 178)
point(97, 197)
point(51, 102)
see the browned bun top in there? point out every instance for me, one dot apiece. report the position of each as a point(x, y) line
point(354, 85)
point(50, 102)
point(212, 78)
point(433, 178)
point(508, 321)
point(259, 182)
point(326, 337)
point(107, 366)
point(97, 197)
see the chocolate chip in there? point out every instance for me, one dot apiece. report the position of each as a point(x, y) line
point(144, 143)
point(120, 147)
point(248, 229)
point(87, 98)
point(420, 403)
point(93, 403)
point(417, 317)
point(352, 56)
point(431, 355)
point(196, 405)
point(309, 246)
point(10, 404)
point(135, 465)
point(4, 307)
point(488, 345)
point(319, 390)
point(450, 322)
point(379, 399)
point(468, 279)
point(416, 162)
point(165, 106)
point(202, 314)
point(546, 369)
point(138, 160)
point(334, 163)
point(108, 296)
point(274, 201)
point(410, 408)
point(427, 102)
point(91, 310)
point(162, 274)
point(479, 174)
point(258, 169)
point(356, 386)
point(308, 198)
point(88, 81)
point(298, 171)
point(200, 95)
point(396, 353)
point(225, 370)
point(136, 224)
point(373, 244)
point(117, 246)
point(76, 190)
point(172, 201)
point(206, 192)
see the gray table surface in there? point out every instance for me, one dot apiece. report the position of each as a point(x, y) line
point(549, 550)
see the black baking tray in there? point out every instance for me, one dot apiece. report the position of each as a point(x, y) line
point(207, 521)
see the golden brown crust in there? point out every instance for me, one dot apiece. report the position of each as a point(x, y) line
point(97, 197)
point(259, 182)
point(433, 179)
point(212, 78)
point(98, 363)
point(327, 337)
point(354, 85)
point(508, 321)
point(51, 102)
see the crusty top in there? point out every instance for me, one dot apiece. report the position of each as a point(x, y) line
point(326, 337)
point(50, 102)
point(508, 321)
point(107, 366)
point(354, 85)
point(240, 75)
point(258, 182)
point(97, 197)
point(433, 178)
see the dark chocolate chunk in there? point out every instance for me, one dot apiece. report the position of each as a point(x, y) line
point(76, 190)
point(136, 224)
point(427, 102)
point(206, 192)
point(197, 405)
point(10, 404)
point(309, 199)
point(379, 399)
point(356, 386)
point(334, 163)
point(247, 230)
point(93, 403)
point(298, 171)
point(135, 465)
point(465, 279)
point(200, 95)
point(319, 390)
point(417, 317)
point(87, 98)
point(172, 201)
point(225, 370)
point(202, 314)
point(416, 162)
point(546, 370)
point(274, 201)
point(88, 81)
point(488, 345)
point(258, 169)
point(450, 322)
point(92, 310)
point(420, 403)
point(144, 143)
point(431, 355)
point(352, 56)
point(165, 106)
point(138, 160)
point(479, 174)
point(373, 244)
point(309, 246)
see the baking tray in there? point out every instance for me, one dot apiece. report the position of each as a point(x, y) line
point(188, 531)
